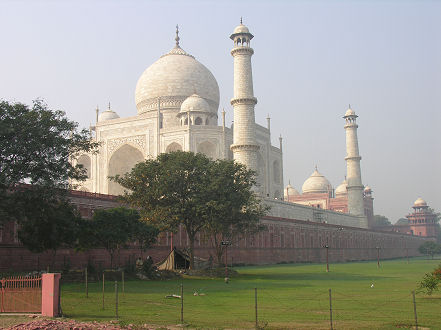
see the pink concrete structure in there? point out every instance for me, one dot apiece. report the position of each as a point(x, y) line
point(50, 291)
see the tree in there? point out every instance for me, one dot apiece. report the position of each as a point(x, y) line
point(53, 224)
point(36, 146)
point(170, 191)
point(429, 248)
point(431, 281)
point(145, 235)
point(113, 229)
point(402, 221)
point(234, 210)
point(381, 220)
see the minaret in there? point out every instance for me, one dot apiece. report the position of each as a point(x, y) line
point(353, 172)
point(244, 145)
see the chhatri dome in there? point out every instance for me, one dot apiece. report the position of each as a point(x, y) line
point(195, 103)
point(109, 114)
point(341, 190)
point(316, 183)
point(420, 202)
point(290, 191)
point(172, 78)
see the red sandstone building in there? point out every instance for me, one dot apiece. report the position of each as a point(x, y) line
point(421, 222)
point(318, 192)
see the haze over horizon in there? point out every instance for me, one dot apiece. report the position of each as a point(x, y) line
point(311, 60)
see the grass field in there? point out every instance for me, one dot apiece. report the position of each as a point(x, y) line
point(293, 296)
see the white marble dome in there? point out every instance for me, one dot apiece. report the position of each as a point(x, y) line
point(316, 183)
point(241, 29)
point(349, 112)
point(107, 115)
point(341, 190)
point(195, 103)
point(173, 78)
point(290, 191)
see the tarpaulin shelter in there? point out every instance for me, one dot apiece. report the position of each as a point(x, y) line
point(175, 260)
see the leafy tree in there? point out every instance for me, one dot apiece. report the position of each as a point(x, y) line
point(170, 191)
point(429, 248)
point(381, 220)
point(234, 210)
point(402, 221)
point(145, 235)
point(54, 224)
point(36, 145)
point(112, 229)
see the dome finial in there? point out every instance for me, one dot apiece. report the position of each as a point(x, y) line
point(177, 36)
point(240, 20)
point(109, 106)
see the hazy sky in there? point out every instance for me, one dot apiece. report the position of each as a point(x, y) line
point(312, 59)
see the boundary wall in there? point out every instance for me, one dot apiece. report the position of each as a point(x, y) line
point(285, 240)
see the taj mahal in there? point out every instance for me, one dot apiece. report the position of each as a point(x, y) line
point(177, 101)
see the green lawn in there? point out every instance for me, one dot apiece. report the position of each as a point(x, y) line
point(289, 296)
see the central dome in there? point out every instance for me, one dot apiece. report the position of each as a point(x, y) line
point(316, 183)
point(173, 78)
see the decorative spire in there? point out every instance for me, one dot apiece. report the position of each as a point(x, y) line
point(349, 106)
point(316, 167)
point(240, 20)
point(109, 106)
point(177, 36)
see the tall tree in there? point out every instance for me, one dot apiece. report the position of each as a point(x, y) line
point(430, 248)
point(170, 191)
point(54, 224)
point(234, 210)
point(381, 220)
point(36, 145)
point(114, 228)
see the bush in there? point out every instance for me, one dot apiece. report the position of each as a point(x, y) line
point(430, 281)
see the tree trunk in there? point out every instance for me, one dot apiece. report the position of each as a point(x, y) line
point(191, 239)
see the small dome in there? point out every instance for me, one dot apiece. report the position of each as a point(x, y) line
point(342, 189)
point(195, 103)
point(241, 29)
point(420, 202)
point(290, 191)
point(316, 183)
point(349, 112)
point(107, 115)
point(367, 190)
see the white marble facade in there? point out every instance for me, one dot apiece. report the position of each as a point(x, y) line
point(177, 100)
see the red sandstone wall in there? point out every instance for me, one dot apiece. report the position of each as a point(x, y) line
point(284, 241)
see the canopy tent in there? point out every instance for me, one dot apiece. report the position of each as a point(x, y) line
point(175, 260)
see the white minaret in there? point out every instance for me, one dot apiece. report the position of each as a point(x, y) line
point(244, 145)
point(353, 171)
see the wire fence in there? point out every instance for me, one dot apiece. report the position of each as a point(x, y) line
point(241, 306)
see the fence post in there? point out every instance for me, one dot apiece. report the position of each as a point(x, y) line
point(330, 308)
point(255, 307)
point(182, 303)
point(87, 287)
point(414, 310)
point(116, 299)
point(103, 290)
point(122, 278)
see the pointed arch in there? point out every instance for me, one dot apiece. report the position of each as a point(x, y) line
point(174, 146)
point(207, 148)
point(121, 162)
